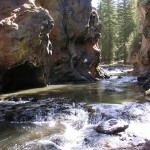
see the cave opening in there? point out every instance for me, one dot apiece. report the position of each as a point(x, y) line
point(22, 76)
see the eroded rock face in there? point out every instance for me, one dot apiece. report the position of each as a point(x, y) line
point(141, 55)
point(76, 31)
point(24, 39)
point(112, 126)
point(72, 55)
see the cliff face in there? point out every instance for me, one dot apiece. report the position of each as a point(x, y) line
point(24, 43)
point(28, 58)
point(141, 54)
point(76, 31)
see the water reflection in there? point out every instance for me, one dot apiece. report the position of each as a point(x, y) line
point(112, 90)
point(73, 129)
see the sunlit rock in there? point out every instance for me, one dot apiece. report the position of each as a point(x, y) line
point(69, 53)
point(147, 93)
point(112, 126)
point(140, 55)
point(24, 43)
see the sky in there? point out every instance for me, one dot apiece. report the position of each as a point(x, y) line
point(95, 3)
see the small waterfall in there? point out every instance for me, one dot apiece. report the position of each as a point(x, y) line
point(59, 123)
point(73, 127)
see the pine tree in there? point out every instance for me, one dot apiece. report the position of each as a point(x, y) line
point(125, 27)
point(120, 26)
point(107, 16)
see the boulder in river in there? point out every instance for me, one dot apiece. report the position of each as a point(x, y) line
point(110, 90)
point(112, 126)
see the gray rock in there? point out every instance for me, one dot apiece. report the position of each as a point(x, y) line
point(112, 126)
point(110, 90)
point(119, 77)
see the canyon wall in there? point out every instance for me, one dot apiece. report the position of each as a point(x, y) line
point(140, 55)
point(45, 42)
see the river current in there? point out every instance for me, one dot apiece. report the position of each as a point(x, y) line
point(73, 127)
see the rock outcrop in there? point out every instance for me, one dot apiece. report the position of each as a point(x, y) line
point(141, 52)
point(76, 31)
point(24, 44)
point(72, 54)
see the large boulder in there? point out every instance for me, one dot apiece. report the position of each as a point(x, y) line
point(71, 56)
point(24, 44)
point(112, 126)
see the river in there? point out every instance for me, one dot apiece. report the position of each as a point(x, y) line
point(64, 117)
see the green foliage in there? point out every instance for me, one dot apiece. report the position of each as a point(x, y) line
point(120, 21)
point(107, 13)
point(125, 27)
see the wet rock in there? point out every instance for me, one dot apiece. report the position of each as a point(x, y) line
point(142, 146)
point(15, 99)
point(40, 145)
point(33, 99)
point(34, 109)
point(89, 108)
point(24, 99)
point(87, 141)
point(51, 146)
point(120, 77)
point(110, 69)
point(58, 140)
point(56, 109)
point(103, 74)
point(110, 90)
point(112, 126)
point(8, 116)
point(144, 79)
point(146, 145)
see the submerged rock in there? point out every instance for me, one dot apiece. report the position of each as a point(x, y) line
point(119, 77)
point(14, 109)
point(142, 146)
point(110, 90)
point(112, 126)
point(50, 145)
point(144, 79)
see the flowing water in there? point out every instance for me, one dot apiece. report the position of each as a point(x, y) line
point(71, 125)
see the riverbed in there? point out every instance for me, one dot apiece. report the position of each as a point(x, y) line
point(64, 117)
